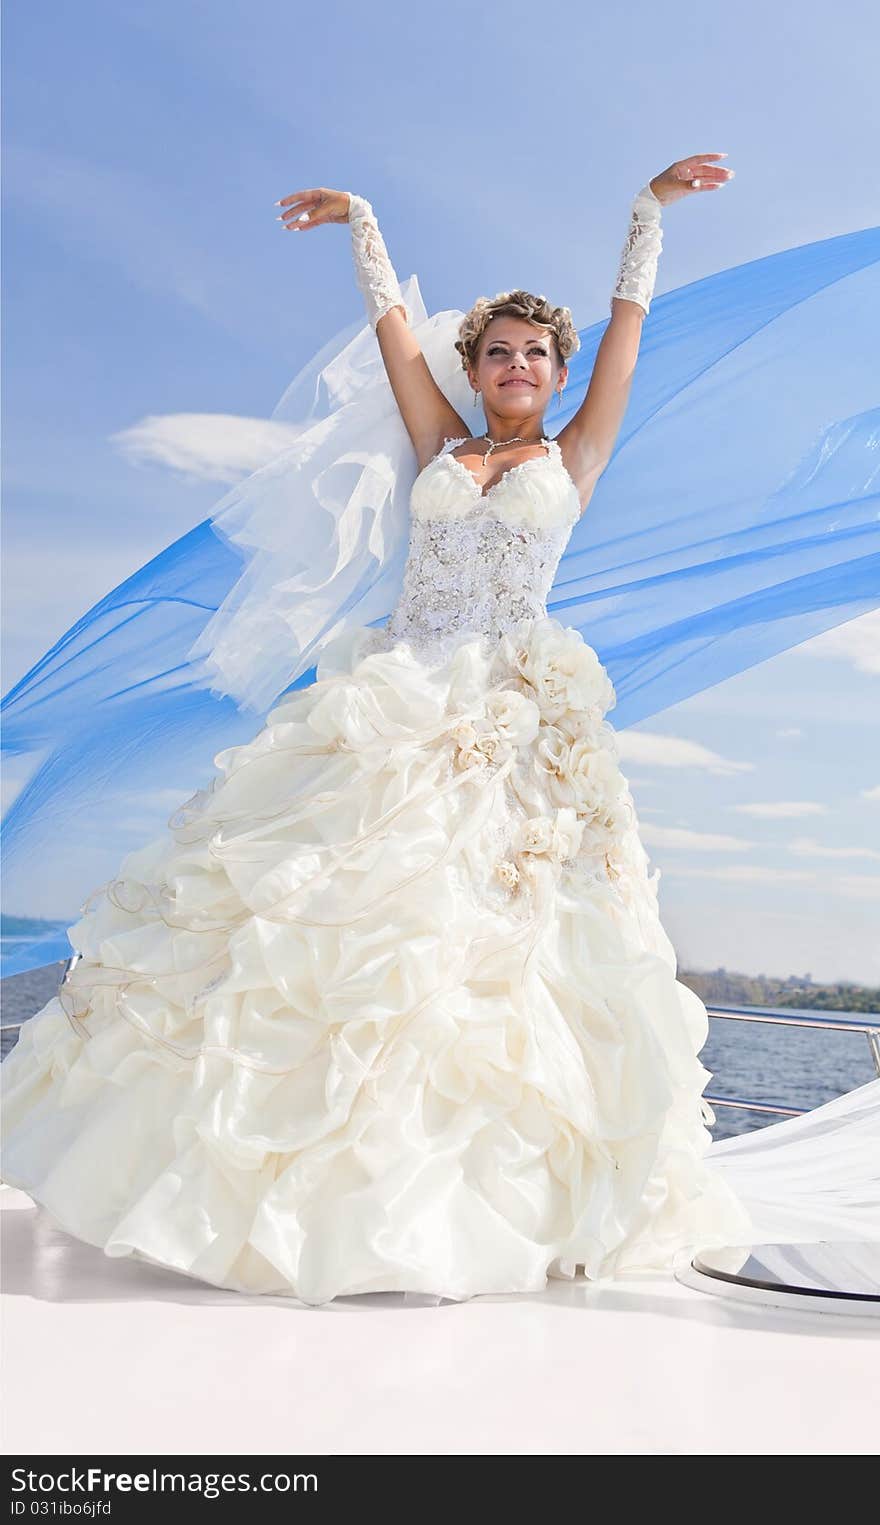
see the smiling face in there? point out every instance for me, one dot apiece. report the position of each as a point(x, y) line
point(517, 368)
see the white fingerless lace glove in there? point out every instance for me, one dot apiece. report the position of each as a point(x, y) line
point(373, 268)
point(638, 260)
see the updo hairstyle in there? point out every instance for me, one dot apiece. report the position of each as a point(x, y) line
point(515, 304)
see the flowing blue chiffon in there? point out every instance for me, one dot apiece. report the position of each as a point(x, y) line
point(738, 517)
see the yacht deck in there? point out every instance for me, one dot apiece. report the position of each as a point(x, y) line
point(133, 1359)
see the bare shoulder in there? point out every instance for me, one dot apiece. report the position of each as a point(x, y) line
point(583, 463)
point(453, 428)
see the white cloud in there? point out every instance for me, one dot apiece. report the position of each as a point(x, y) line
point(807, 847)
point(741, 873)
point(857, 642)
point(780, 810)
point(857, 886)
point(872, 794)
point(697, 841)
point(650, 748)
point(789, 730)
point(849, 886)
point(212, 447)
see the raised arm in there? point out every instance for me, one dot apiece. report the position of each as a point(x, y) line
point(428, 416)
point(587, 440)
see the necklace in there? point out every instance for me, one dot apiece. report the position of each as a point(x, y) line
point(517, 440)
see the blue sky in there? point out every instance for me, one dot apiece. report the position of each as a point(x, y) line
point(151, 296)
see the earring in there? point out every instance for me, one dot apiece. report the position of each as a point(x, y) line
point(476, 395)
point(559, 397)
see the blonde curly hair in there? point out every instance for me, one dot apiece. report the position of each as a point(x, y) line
point(515, 304)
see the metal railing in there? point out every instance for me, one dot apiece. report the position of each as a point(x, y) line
point(839, 1021)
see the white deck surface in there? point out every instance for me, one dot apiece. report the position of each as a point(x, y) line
point(104, 1356)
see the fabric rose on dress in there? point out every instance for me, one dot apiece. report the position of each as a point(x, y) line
point(564, 672)
point(604, 832)
point(551, 751)
point(577, 773)
point(479, 744)
point(557, 836)
point(536, 834)
point(464, 737)
point(586, 725)
point(618, 818)
point(593, 777)
point(515, 717)
point(508, 873)
point(511, 720)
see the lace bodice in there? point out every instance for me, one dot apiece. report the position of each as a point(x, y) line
point(480, 561)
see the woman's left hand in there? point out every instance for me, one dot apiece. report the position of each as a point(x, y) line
point(688, 177)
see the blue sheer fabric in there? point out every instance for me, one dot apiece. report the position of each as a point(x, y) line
point(737, 518)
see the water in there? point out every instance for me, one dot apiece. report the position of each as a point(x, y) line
point(785, 1066)
point(791, 1066)
point(23, 995)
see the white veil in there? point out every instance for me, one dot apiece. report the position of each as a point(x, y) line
point(324, 527)
point(792, 1172)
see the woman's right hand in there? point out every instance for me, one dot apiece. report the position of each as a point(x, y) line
point(320, 205)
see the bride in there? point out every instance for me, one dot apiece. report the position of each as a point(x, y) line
point(390, 1005)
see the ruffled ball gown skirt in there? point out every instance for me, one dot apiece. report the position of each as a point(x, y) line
point(388, 1007)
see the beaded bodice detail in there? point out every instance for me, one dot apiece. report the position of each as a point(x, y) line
point(480, 561)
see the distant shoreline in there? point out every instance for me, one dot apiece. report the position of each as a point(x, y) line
point(726, 987)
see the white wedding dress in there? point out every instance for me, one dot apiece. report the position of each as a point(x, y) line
point(390, 1005)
